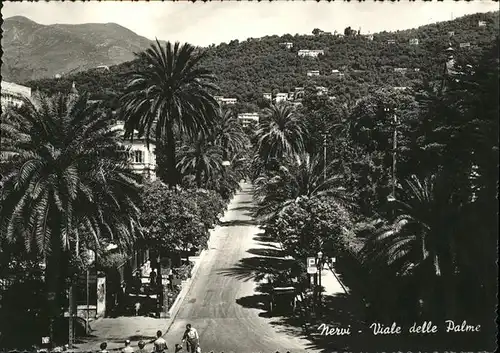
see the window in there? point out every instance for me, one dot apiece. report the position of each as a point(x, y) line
point(138, 156)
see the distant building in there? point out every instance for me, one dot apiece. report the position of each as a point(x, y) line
point(299, 89)
point(281, 97)
point(400, 88)
point(369, 36)
point(225, 101)
point(416, 69)
point(337, 73)
point(267, 96)
point(12, 94)
point(451, 33)
point(332, 98)
point(142, 158)
point(313, 73)
point(414, 41)
point(400, 69)
point(391, 41)
point(288, 45)
point(320, 90)
point(465, 45)
point(247, 118)
point(310, 53)
point(481, 23)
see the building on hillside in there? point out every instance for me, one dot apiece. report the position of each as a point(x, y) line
point(464, 45)
point(267, 96)
point(481, 23)
point(281, 97)
point(299, 89)
point(310, 53)
point(413, 41)
point(369, 36)
point(313, 73)
point(332, 98)
point(337, 73)
point(391, 41)
point(402, 88)
point(248, 118)
point(451, 33)
point(225, 101)
point(401, 70)
point(13, 94)
point(287, 45)
point(142, 158)
point(416, 69)
point(320, 90)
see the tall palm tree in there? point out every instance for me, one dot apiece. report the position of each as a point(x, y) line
point(169, 91)
point(202, 159)
point(69, 183)
point(229, 134)
point(281, 133)
point(301, 178)
point(422, 240)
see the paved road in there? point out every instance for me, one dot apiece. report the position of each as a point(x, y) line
point(222, 303)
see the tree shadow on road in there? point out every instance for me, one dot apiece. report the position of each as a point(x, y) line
point(239, 223)
point(249, 209)
point(267, 252)
point(257, 267)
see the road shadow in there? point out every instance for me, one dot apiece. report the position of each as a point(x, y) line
point(263, 238)
point(239, 223)
point(248, 209)
point(256, 268)
point(274, 252)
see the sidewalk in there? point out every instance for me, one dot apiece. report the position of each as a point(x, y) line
point(115, 331)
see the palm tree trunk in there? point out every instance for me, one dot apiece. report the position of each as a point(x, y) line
point(52, 280)
point(173, 175)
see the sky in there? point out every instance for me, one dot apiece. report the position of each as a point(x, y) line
point(222, 21)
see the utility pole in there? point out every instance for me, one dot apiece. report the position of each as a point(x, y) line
point(324, 157)
point(394, 148)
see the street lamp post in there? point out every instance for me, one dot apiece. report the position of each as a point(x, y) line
point(324, 157)
point(320, 266)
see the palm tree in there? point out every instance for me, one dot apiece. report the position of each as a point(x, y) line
point(421, 242)
point(229, 134)
point(69, 183)
point(281, 133)
point(301, 178)
point(171, 91)
point(202, 159)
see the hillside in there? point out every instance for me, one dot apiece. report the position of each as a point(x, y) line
point(33, 51)
point(247, 69)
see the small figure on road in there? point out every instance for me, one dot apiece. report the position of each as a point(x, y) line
point(192, 339)
point(103, 347)
point(141, 349)
point(152, 278)
point(127, 348)
point(160, 343)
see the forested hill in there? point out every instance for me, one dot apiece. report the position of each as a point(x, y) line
point(249, 68)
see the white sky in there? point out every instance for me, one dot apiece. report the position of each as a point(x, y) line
point(214, 22)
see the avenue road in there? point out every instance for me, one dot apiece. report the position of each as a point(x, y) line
point(213, 304)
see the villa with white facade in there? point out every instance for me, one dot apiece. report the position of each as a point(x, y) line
point(12, 93)
point(281, 97)
point(247, 118)
point(313, 73)
point(142, 158)
point(310, 53)
point(288, 45)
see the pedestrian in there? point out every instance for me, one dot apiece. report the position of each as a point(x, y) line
point(127, 348)
point(152, 278)
point(192, 339)
point(137, 307)
point(103, 347)
point(160, 344)
point(141, 349)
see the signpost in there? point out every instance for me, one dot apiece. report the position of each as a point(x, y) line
point(312, 269)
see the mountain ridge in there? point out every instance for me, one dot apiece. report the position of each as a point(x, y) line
point(33, 50)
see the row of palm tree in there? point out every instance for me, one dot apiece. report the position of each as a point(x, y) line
point(68, 185)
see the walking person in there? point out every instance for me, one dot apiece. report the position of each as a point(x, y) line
point(103, 347)
point(192, 339)
point(141, 349)
point(127, 348)
point(160, 344)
